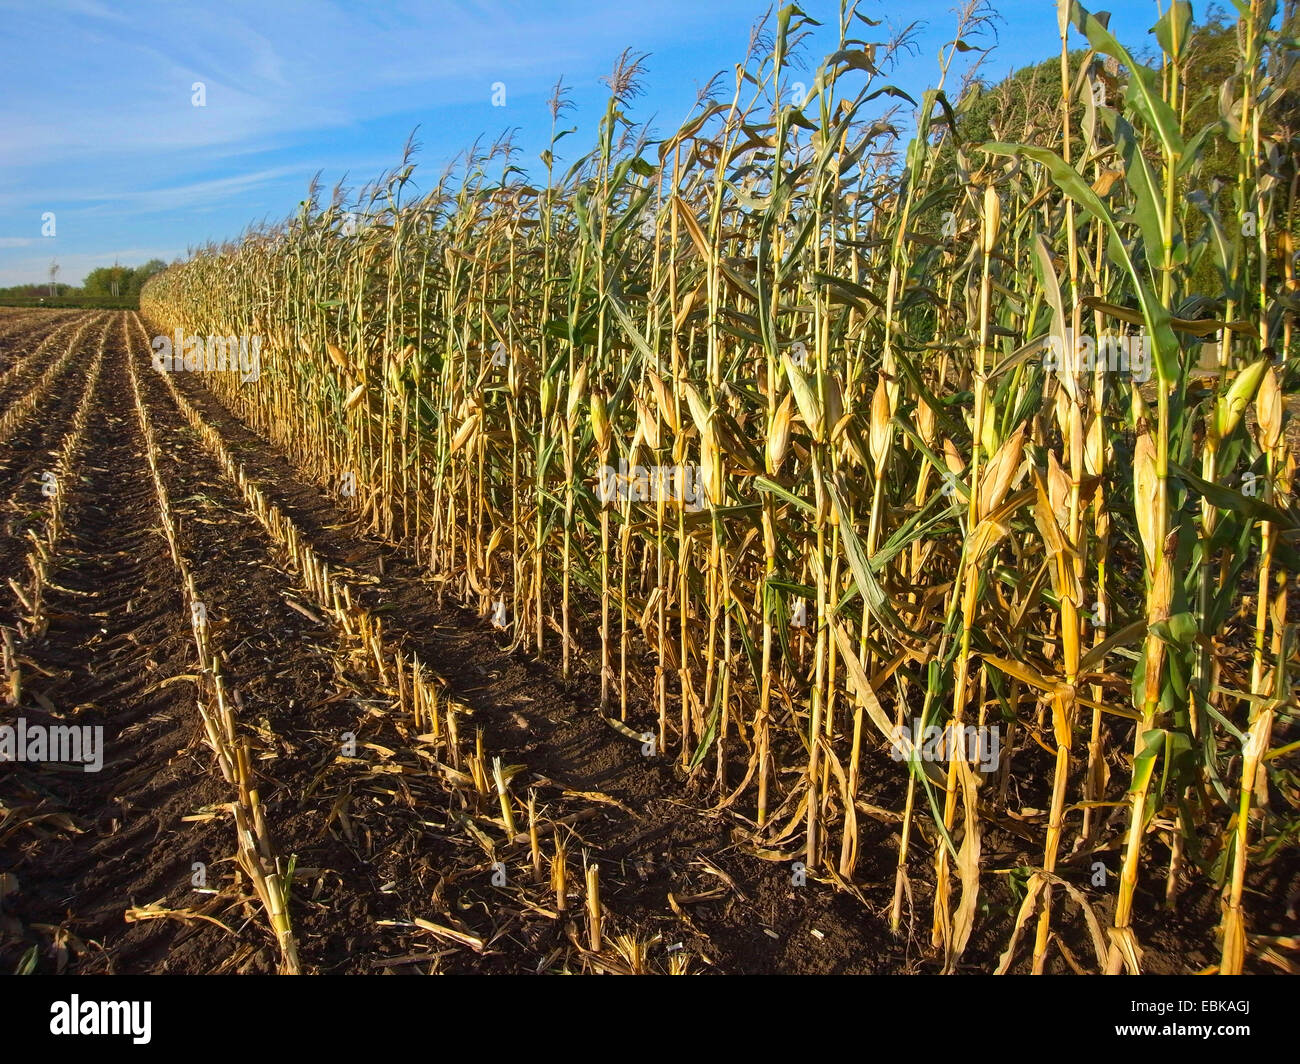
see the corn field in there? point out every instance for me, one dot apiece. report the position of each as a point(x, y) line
point(775, 428)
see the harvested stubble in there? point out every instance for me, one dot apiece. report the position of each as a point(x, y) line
point(255, 849)
point(46, 542)
point(422, 699)
point(846, 341)
point(25, 405)
point(32, 357)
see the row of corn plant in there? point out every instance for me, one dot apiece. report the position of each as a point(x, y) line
point(892, 495)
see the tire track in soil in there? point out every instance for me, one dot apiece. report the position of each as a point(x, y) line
point(113, 636)
point(533, 717)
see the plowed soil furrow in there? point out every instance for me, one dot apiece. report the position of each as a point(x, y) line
point(281, 667)
point(18, 333)
point(16, 323)
point(114, 637)
point(30, 454)
point(39, 353)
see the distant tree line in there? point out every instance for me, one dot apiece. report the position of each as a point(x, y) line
point(105, 286)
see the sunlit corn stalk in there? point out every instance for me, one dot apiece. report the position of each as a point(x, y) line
point(968, 583)
point(844, 479)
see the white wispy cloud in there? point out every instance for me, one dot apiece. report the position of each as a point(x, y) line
point(276, 69)
point(165, 198)
point(99, 124)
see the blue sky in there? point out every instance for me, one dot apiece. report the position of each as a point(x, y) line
point(99, 125)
